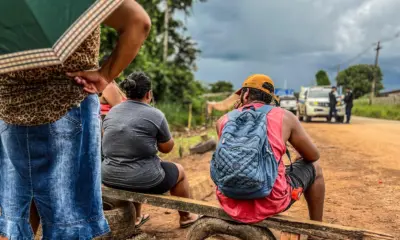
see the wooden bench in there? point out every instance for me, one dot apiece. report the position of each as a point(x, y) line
point(291, 227)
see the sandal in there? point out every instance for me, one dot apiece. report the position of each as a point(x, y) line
point(143, 219)
point(189, 223)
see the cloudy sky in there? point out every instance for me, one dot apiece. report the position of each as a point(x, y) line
point(292, 39)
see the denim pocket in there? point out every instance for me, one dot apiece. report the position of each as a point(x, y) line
point(3, 126)
point(68, 125)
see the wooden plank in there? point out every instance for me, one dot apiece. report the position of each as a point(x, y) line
point(279, 222)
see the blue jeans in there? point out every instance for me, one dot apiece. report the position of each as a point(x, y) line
point(57, 166)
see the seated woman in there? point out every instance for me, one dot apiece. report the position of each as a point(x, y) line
point(134, 132)
point(110, 97)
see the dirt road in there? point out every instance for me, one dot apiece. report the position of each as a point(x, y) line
point(361, 163)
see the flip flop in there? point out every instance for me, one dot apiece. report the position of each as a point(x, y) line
point(143, 219)
point(189, 223)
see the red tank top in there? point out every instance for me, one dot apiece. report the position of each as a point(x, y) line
point(252, 211)
point(105, 107)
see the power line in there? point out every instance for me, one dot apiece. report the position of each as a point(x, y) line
point(363, 52)
point(397, 35)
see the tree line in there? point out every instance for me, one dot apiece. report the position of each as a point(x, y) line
point(357, 77)
point(173, 79)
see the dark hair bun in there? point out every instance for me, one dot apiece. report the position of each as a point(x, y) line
point(136, 85)
point(128, 84)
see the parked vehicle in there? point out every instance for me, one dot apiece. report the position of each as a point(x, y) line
point(314, 103)
point(287, 100)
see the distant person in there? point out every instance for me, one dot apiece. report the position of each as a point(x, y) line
point(50, 135)
point(348, 99)
point(111, 96)
point(234, 164)
point(134, 132)
point(332, 103)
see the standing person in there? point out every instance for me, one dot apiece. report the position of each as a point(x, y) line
point(134, 132)
point(50, 133)
point(236, 156)
point(348, 100)
point(332, 103)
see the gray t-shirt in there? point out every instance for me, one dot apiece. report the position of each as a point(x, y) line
point(131, 132)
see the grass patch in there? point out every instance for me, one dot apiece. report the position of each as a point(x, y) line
point(177, 115)
point(390, 112)
point(186, 142)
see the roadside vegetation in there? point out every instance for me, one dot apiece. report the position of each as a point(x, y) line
point(382, 111)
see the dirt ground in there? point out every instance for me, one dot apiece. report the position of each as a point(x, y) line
point(361, 163)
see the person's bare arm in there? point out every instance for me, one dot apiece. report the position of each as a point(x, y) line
point(217, 127)
point(166, 147)
point(300, 140)
point(112, 95)
point(133, 25)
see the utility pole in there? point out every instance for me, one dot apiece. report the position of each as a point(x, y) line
point(337, 75)
point(374, 73)
point(166, 28)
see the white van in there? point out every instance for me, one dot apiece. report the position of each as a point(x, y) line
point(289, 103)
point(314, 103)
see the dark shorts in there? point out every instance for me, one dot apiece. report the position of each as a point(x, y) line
point(301, 175)
point(169, 181)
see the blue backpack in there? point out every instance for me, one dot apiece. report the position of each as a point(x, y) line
point(243, 165)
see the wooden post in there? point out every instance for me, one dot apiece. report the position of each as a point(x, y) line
point(190, 116)
point(166, 28)
point(372, 95)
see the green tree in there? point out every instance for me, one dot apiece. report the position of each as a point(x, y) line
point(359, 78)
point(322, 79)
point(221, 86)
point(173, 80)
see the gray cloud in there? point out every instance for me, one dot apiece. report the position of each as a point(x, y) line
point(291, 40)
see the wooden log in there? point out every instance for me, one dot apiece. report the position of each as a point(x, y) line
point(279, 222)
point(289, 236)
point(207, 227)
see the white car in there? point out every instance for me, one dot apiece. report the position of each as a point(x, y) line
point(289, 103)
point(314, 103)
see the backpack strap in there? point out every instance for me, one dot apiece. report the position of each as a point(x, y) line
point(265, 109)
point(251, 107)
point(233, 114)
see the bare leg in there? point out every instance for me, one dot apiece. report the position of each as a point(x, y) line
point(138, 208)
point(139, 216)
point(181, 189)
point(34, 218)
point(315, 195)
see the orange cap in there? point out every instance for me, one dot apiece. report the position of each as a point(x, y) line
point(257, 81)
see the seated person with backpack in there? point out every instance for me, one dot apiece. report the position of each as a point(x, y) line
point(252, 180)
point(134, 132)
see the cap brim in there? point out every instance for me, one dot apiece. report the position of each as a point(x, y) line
point(238, 92)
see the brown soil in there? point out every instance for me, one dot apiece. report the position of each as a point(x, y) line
point(362, 172)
